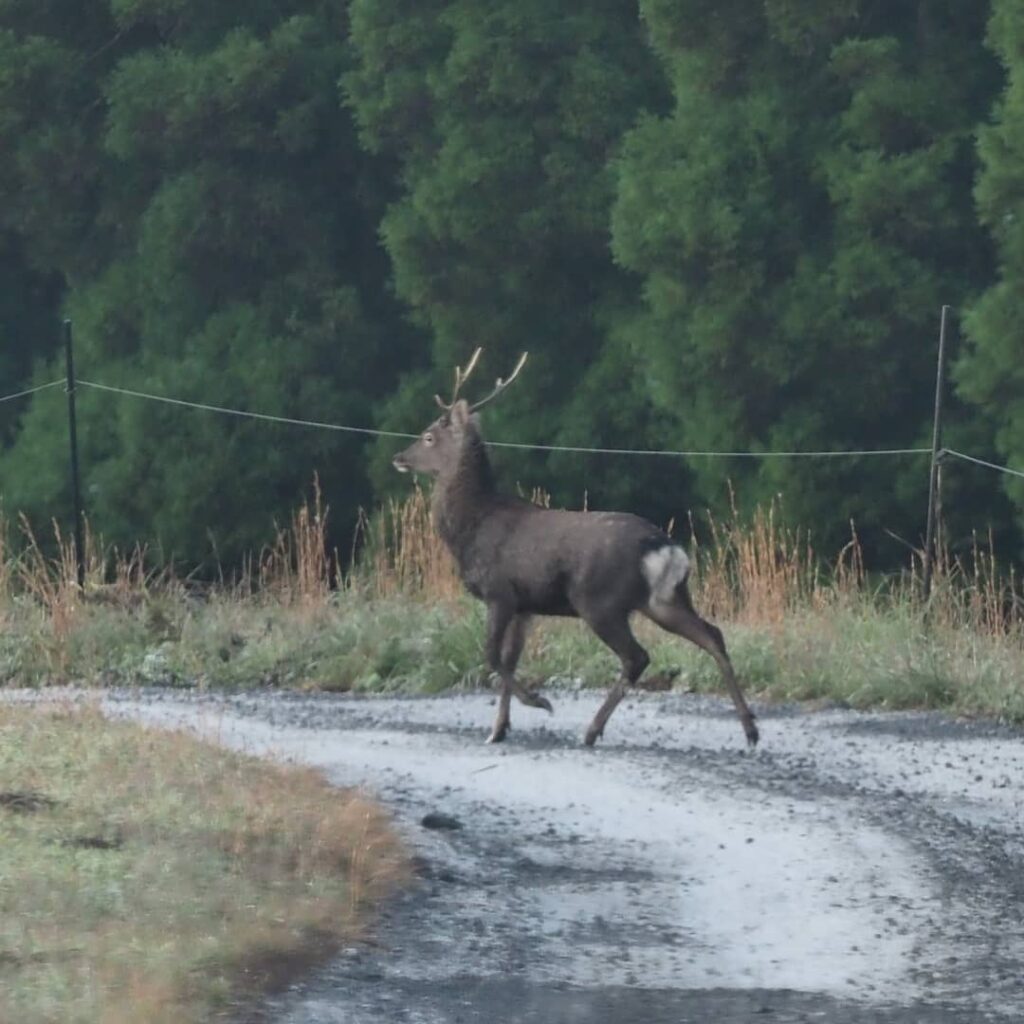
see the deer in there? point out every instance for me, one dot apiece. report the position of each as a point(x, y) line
point(524, 560)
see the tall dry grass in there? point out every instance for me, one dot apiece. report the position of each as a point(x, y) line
point(397, 552)
point(298, 568)
point(7, 563)
point(800, 624)
point(50, 583)
point(754, 570)
point(53, 582)
point(972, 591)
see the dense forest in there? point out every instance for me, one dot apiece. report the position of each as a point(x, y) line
point(714, 225)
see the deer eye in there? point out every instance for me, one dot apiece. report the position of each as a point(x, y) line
point(428, 438)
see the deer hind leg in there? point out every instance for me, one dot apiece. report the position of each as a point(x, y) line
point(615, 632)
point(678, 616)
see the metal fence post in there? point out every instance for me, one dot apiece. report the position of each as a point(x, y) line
point(76, 496)
point(933, 479)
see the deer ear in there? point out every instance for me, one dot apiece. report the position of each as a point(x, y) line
point(460, 414)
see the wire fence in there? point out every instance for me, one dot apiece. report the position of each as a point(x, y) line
point(937, 452)
point(570, 449)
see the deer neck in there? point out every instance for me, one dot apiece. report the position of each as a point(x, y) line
point(463, 495)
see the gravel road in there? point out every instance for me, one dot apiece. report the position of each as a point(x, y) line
point(857, 868)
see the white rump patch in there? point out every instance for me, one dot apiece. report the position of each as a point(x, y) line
point(664, 569)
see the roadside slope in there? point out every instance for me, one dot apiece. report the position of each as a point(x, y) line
point(148, 876)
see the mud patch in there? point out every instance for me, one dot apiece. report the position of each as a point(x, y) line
point(103, 843)
point(26, 802)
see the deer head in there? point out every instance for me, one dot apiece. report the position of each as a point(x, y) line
point(437, 448)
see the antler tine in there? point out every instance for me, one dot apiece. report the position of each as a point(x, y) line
point(460, 378)
point(500, 384)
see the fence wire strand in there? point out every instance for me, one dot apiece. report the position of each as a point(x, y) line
point(982, 462)
point(497, 444)
point(32, 391)
point(711, 454)
point(243, 413)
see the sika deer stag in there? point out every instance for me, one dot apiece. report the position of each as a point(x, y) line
point(522, 560)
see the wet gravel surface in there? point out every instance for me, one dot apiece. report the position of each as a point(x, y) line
point(857, 868)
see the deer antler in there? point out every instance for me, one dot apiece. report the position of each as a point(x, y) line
point(500, 384)
point(460, 379)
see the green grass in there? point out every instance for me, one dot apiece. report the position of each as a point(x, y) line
point(797, 627)
point(147, 876)
point(864, 656)
point(865, 651)
point(868, 658)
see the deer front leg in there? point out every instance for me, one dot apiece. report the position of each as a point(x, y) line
point(511, 650)
point(499, 618)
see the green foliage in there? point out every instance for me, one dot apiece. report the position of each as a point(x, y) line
point(503, 120)
point(991, 371)
point(230, 258)
point(712, 227)
point(26, 332)
point(799, 218)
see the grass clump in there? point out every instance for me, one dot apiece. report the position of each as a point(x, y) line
point(147, 876)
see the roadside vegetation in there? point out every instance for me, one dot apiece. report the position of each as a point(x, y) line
point(799, 626)
point(148, 876)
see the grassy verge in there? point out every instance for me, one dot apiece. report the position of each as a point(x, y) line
point(798, 627)
point(147, 876)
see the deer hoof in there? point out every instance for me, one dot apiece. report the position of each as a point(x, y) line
point(498, 736)
point(752, 734)
point(543, 702)
point(592, 736)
